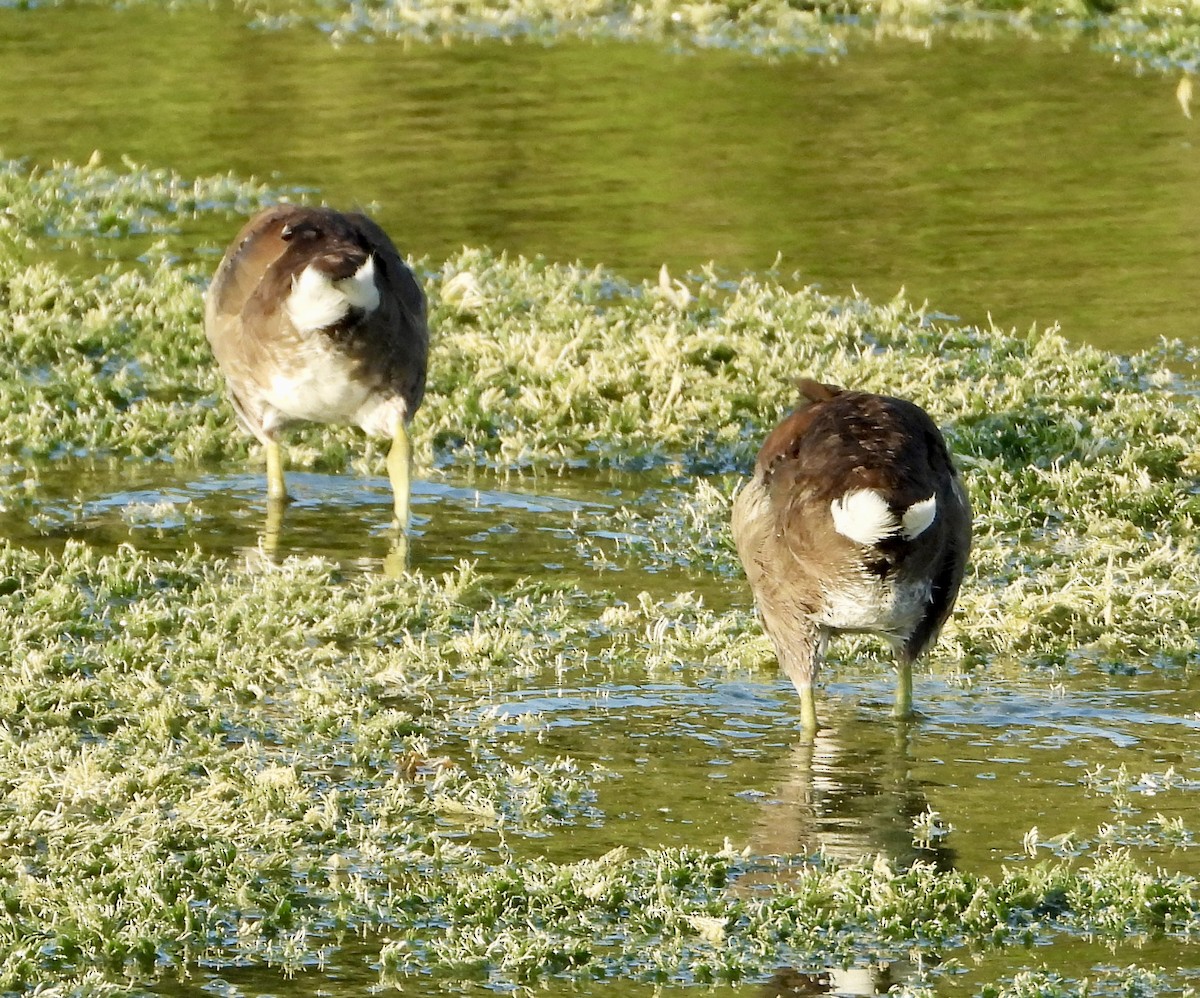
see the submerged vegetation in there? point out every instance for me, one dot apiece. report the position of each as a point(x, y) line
point(240, 760)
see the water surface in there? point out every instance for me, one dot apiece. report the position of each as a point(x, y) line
point(994, 753)
point(1021, 180)
point(1001, 178)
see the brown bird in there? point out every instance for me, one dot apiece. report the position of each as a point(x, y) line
point(314, 317)
point(853, 520)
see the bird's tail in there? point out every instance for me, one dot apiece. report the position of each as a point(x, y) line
point(866, 517)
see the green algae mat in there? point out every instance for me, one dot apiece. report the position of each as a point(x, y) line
point(254, 759)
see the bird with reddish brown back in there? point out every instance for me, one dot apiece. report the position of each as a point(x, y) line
point(314, 317)
point(854, 520)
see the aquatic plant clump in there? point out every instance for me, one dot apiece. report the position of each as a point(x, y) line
point(68, 202)
point(178, 786)
point(1160, 35)
point(201, 760)
point(668, 918)
point(1080, 463)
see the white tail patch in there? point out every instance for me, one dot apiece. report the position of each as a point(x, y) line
point(865, 517)
point(316, 302)
point(918, 517)
point(360, 290)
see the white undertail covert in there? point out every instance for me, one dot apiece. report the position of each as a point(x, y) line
point(865, 517)
point(316, 302)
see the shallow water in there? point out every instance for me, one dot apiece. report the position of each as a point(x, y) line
point(993, 753)
point(1085, 960)
point(998, 177)
point(1004, 178)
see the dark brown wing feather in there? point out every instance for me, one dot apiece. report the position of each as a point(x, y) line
point(954, 544)
point(855, 440)
point(403, 313)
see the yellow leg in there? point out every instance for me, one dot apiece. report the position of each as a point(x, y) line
point(273, 527)
point(275, 487)
point(808, 709)
point(399, 466)
point(903, 707)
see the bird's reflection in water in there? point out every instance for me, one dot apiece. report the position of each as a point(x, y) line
point(395, 562)
point(273, 544)
point(876, 979)
point(846, 793)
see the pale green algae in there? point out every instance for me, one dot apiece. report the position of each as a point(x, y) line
point(206, 760)
point(70, 203)
point(1081, 464)
point(1150, 33)
point(225, 760)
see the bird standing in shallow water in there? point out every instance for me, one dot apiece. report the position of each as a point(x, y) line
point(853, 520)
point(314, 317)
